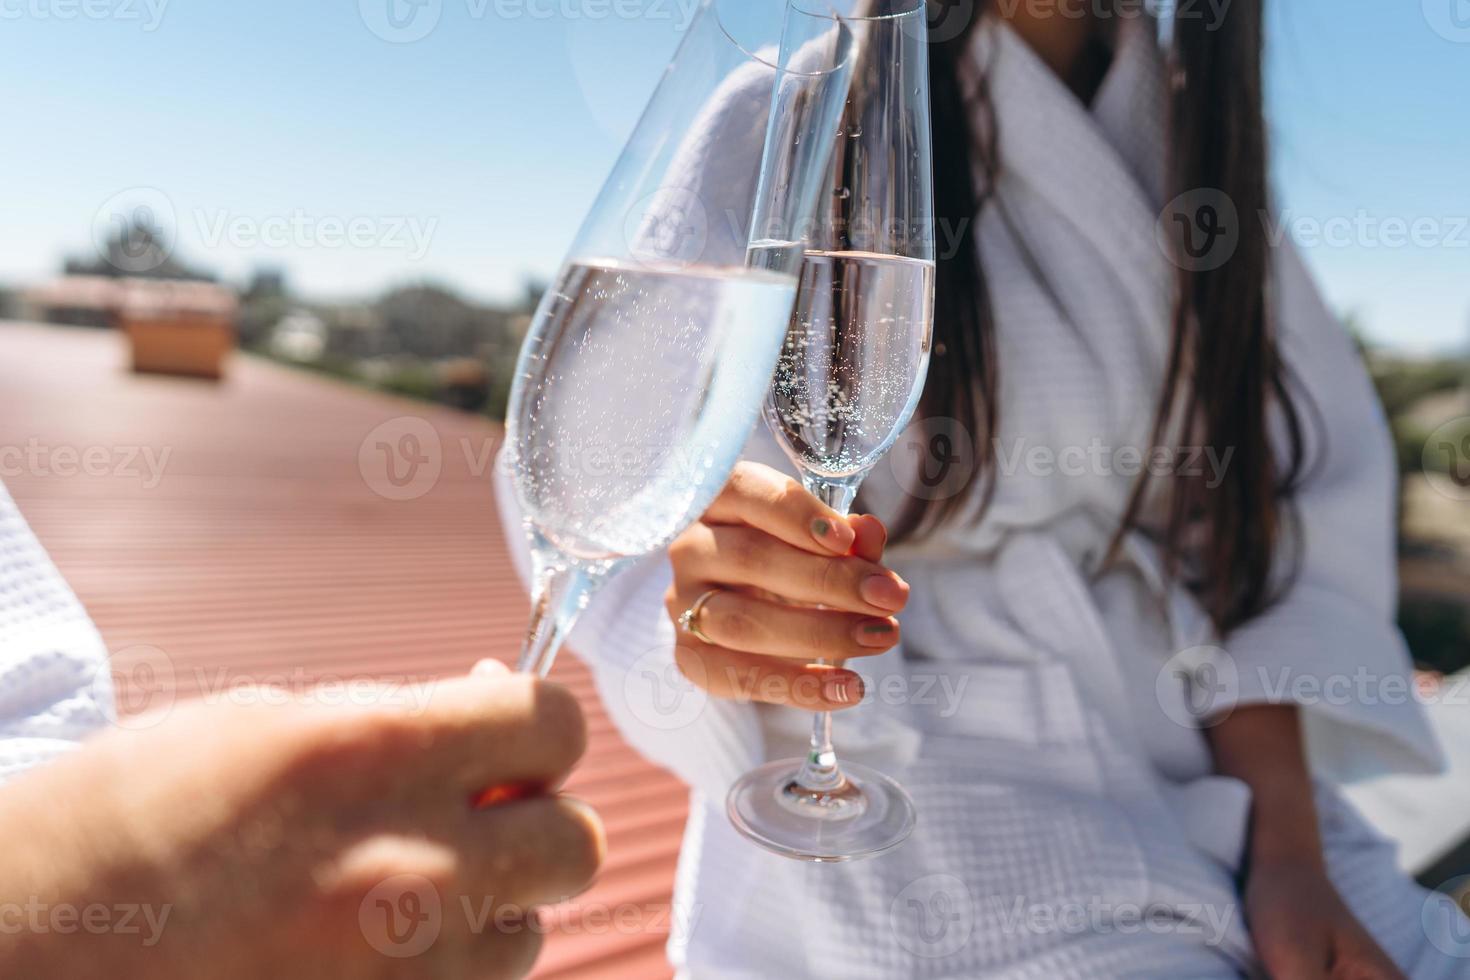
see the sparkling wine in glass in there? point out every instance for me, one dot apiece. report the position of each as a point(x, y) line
point(847, 380)
point(649, 357)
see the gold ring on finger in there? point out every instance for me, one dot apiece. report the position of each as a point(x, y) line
point(689, 618)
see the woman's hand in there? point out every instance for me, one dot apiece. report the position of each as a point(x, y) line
point(300, 842)
point(774, 553)
point(1299, 925)
point(1303, 931)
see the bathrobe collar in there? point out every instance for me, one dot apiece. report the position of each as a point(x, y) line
point(1098, 168)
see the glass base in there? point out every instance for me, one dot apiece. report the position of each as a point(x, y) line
point(866, 815)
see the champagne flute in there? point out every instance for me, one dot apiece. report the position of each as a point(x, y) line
point(848, 378)
point(645, 365)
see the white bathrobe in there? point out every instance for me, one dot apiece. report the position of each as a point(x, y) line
point(55, 686)
point(1069, 823)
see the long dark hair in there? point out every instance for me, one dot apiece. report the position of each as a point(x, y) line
point(1225, 380)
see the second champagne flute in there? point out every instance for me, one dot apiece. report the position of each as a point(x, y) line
point(848, 378)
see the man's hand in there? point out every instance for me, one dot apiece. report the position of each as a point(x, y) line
point(300, 842)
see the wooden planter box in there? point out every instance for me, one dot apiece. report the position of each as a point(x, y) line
point(178, 328)
point(191, 345)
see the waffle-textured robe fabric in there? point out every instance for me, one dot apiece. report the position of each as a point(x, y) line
point(55, 688)
point(1069, 823)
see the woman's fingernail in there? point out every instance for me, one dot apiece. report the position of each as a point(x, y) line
point(885, 591)
point(842, 687)
point(489, 668)
point(833, 534)
point(875, 633)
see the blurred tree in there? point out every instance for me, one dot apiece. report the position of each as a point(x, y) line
point(414, 380)
point(434, 323)
point(264, 302)
point(1402, 383)
point(1436, 626)
point(430, 322)
point(139, 246)
point(531, 293)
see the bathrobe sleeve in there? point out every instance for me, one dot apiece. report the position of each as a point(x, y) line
point(1331, 644)
point(55, 687)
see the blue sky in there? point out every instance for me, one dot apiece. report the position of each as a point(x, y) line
point(468, 155)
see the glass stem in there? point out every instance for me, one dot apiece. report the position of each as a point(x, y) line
point(561, 592)
point(820, 771)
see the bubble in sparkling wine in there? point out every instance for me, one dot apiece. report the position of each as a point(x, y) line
point(852, 365)
point(644, 382)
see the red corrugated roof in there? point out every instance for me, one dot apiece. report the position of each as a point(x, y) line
point(263, 550)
